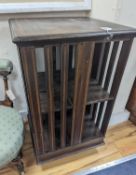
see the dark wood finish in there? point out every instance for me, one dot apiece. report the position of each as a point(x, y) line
point(108, 77)
point(104, 61)
point(111, 65)
point(131, 104)
point(84, 57)
point(64, 90)
point(67, 99)
point(49, 70)
point(29, 67)
point(96, 94)
point(100, 60)
point(93, 112)
point(97, 52)
point(6, 101)
point(125, 50)
point(43, 29)
point(72, 149)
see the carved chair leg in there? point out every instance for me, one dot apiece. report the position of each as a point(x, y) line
point(19, 164)
point(20, 167)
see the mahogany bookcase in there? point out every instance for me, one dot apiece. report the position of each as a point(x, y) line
point(72, 70)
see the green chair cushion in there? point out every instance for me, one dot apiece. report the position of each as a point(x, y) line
point(11, 134)
point(6, 65)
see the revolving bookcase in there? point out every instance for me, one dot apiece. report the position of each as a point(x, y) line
point(72, 70)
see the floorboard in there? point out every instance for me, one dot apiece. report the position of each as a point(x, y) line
point(120, 141)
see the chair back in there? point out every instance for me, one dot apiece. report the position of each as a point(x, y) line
point(6, 67)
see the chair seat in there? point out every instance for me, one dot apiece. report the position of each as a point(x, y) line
point(11, 134)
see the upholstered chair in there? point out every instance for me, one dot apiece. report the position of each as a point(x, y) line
point(11, 126)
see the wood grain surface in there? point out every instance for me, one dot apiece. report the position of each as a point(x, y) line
point(54, 28)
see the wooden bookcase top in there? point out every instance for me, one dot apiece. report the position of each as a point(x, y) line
point(23, 30)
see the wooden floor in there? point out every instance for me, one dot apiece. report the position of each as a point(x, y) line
point(120, 141)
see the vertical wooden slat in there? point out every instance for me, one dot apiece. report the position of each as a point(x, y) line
point(97, 52)
point(126, 47)
point(28, 60)
point(49, 70)
point(64, 88)
point(100, 60)
point(105, 57)
point(108, 76)
point(70, 57)
point(111, 64)
point(84, 56)
point(95, 106)
point(90, 112)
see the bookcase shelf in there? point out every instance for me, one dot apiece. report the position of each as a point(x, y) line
point(96, 94)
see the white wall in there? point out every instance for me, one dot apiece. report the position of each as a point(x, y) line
point(8, 50)
point(104, 9)
point(123, 12)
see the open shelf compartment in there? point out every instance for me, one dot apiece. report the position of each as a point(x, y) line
point(95, 94)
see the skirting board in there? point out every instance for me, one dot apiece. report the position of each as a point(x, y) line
point(119, 118)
